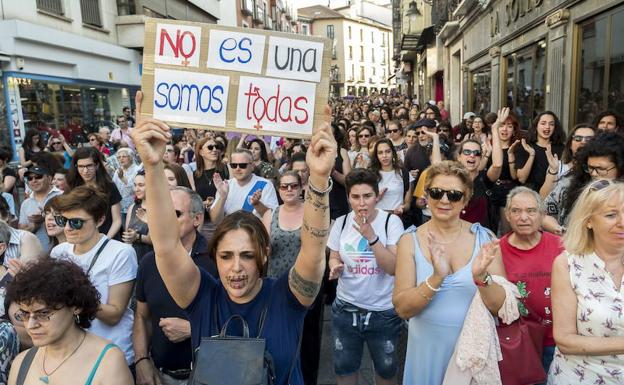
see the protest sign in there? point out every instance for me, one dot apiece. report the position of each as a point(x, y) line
point(234, 79)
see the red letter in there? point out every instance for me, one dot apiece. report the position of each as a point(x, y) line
point(249, 94)
point(274, 98)
point(279, 110)
point(181, 44)
point(174, 47)
point(305, 100)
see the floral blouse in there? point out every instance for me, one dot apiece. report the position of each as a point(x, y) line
point(600, 314)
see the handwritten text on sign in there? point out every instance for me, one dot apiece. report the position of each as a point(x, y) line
point(235, 79)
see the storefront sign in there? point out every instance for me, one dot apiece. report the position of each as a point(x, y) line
point(234, 79)
point(515, 9)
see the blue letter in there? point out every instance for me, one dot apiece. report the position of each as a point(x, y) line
point(240, 45)
point(222, 48)
point(216, 99)
point(179, 97)
point(164, 104)
point(201, 97)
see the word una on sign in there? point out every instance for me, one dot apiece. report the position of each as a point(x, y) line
point(295, 59)
point(190, 97)
point(275, 105)
point(177, 44)
point(229, 50)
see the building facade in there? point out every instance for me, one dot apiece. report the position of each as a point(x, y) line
point(565, 56)
point(361, 49)
point(276, 15)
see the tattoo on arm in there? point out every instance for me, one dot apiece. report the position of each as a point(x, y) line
point(315, 232)
point(308, 289)
point(317, 202)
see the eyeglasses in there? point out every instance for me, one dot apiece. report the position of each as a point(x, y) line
point(74, 223)
point(599, 185)
point(364, 136)
point(288, 186)
point(581, 138)
point(452, 195)
point(211, 147)
point(55, 143)
point(40, 316)
point(34, 177)
point(239, 165)
point(468, 152)
point(418, 132)
point(392, 131)
point(598, 170)
point(85, 167)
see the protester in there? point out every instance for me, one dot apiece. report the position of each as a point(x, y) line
point(338, 204)
point(362, 257)
point(111, 264)
point(136, 232)
point(240, 247)
point(395, 194)
point(609, 120)
point(23, 245)
point(32, 145)
point(361, 157)
point(60, 179)
point(121, 134)
point(55, 232)
point(586, 290)
point(176, 176)
point(8, 176)
point(437, 272)
point(123, 178)
point(57, 318)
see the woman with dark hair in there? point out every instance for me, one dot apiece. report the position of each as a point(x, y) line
point(394, 182)
point(137, 232)
point(338, 204)
point(241, 247)
point(9, 338)
point(176, 176)
point(479, 131)
point(546, 134)
point(601, 158)
point(361, 157)
point(386, 118)
point(8, 176)
point(87, 168)
point(95, 141)
point(54, 231)
point(32, 144)
point(262, 166)
point(209, 162)
point(56, 316)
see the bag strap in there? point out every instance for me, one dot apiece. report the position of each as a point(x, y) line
point(223, 332)
point(25, 366)
point(386, 225)
point(344, 223)
point(97, 255)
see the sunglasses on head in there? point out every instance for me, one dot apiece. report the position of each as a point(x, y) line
point(74, 223)
point(288, 186)
point(581, 138)
point(452, 195)
point(467, 152)
point(239, 165)
point(211, 147)
point(34, 177)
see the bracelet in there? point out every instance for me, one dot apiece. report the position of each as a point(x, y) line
point(373, 242)
point(530, 155)
point(426, 297)
point(318, 192)
point(431, 287)
point(553, 173)
point(510, 162)
point(141, 359)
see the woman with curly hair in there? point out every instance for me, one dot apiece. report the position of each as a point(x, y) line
point(55, 317)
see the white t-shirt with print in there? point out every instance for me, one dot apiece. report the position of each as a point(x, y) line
point(116, 264)
point(238, 195)
point(363, 283)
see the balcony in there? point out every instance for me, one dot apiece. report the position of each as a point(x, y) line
point(334, 77)
point(247, 7)
point(130, 30)
point(268, 23)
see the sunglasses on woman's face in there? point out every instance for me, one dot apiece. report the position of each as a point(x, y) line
point(288, 186)
point(211, 147)
point(74, 223)
point(452, 195)
point(581, 138)
point(468, 152)
point(364, 136)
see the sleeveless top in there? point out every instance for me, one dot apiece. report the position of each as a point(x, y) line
point(141, 228)
point(338, 204)
point(598, 314)
point(285, 246)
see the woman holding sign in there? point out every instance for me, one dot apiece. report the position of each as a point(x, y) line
point(240, 248)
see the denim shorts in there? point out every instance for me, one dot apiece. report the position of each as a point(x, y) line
point(352, 326)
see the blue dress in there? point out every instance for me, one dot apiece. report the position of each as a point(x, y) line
point(434, 331)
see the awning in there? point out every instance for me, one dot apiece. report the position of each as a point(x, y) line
point(409, 42)
point(427, 36)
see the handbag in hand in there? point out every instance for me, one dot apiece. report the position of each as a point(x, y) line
point(521, 343)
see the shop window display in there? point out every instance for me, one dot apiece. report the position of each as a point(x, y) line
point(480, 90)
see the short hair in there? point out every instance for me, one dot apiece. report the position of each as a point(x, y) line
point(127, 151)
point(87, 198)
point(5, 233)
point(579, 239)
point(242, 151)
point(525, 190)
point(57, 284)
point(196, 205)
point(251, 224)
point(362, 176)
point(292, 173)
point(451, 168)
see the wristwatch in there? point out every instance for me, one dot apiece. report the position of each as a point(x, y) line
point(487, 281)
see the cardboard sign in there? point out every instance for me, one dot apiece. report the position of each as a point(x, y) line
point(234, 79)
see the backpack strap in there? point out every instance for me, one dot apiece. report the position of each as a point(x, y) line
point(97, 255)
point(25, 366)
point(344, 223)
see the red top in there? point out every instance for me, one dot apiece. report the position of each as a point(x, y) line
point(533, 267)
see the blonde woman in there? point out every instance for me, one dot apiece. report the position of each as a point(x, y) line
point(587, 291)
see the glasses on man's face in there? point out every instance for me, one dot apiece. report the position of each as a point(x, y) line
point(468, 152)
point(239, 165)
point(34, 177)
point(86, 167)
point(452, 195)
point(74, 223)
point(392, 131)
point(288, 186)
point(40, 316)
point(600, 171)
point(581, 138)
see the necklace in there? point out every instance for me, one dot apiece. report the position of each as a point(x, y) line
point(461, 227)
point(46, 379)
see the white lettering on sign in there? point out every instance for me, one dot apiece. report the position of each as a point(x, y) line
point(190, 97)
point(177, 44)
point(295, 59)
point(275, 105)
point(235, 51)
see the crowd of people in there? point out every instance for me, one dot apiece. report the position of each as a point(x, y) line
point(123, 256)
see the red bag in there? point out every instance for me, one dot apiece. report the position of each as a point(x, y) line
point(521, 343)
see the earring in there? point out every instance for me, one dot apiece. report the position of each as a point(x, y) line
point(77, 318)
point(463, 211)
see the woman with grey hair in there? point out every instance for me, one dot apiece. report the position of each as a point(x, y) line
point(123, 178)
point(528, 255)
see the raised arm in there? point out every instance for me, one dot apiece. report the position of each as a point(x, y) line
point(493, 173)
point(523, 173)
point(305, 277)
point(176, 267)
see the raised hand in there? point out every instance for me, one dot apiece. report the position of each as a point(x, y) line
point(502, 115)
point(221, 185)
point(489, 251)
point(553, 159)
point(150, 136)
point(439, 259)
point(254, 199)
point(527, 147)
point(321, 155)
